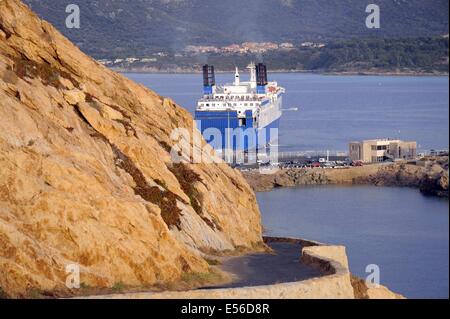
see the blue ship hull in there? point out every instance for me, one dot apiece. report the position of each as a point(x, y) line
point(224, 130)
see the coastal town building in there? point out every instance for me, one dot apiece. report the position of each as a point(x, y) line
point(313, 45)
point(381, 150)
point(246, 47)
point(287, 46)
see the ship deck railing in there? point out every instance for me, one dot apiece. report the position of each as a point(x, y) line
point(238, 99)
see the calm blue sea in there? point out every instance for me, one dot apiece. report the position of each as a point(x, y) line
point(403, 232)
point(335, 110)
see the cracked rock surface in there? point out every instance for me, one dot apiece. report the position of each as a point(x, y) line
point(86, 175)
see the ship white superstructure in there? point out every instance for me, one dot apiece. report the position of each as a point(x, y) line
point(254, 104)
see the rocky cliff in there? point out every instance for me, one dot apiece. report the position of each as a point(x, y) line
point(86, 175)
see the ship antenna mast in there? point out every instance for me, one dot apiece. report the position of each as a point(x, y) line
point(237, 80)
point(252, 68)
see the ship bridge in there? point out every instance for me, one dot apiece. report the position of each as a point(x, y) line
point(240, 95)
point(253, 106)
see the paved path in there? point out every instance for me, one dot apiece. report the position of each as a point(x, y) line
point(267, 269)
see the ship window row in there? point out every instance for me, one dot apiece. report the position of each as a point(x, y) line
point(235, 97)
point(234, 104)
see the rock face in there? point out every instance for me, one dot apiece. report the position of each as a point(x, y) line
point(435, 182)
point(86, 175)
point(363, 291)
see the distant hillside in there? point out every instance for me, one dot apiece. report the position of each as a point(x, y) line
point(409, 56)
point(111, 28)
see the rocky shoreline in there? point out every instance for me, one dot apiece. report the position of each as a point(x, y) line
point(429, 175)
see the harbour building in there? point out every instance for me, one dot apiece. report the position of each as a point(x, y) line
point(381, 150)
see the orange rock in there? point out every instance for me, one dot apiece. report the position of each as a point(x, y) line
point(86, 176)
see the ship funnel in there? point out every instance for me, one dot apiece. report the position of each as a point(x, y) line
point(209, 79)
point(261, 78)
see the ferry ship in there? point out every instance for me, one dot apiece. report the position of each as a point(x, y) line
point(240, 116)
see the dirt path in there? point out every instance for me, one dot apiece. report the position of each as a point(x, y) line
point(266, 269)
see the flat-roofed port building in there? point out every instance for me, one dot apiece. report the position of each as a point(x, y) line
point(381, 150)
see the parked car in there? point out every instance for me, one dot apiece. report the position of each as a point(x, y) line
point(357, 163)
point(329, 164)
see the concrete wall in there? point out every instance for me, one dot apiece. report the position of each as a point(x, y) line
point(331, 260)
point(355, 151)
